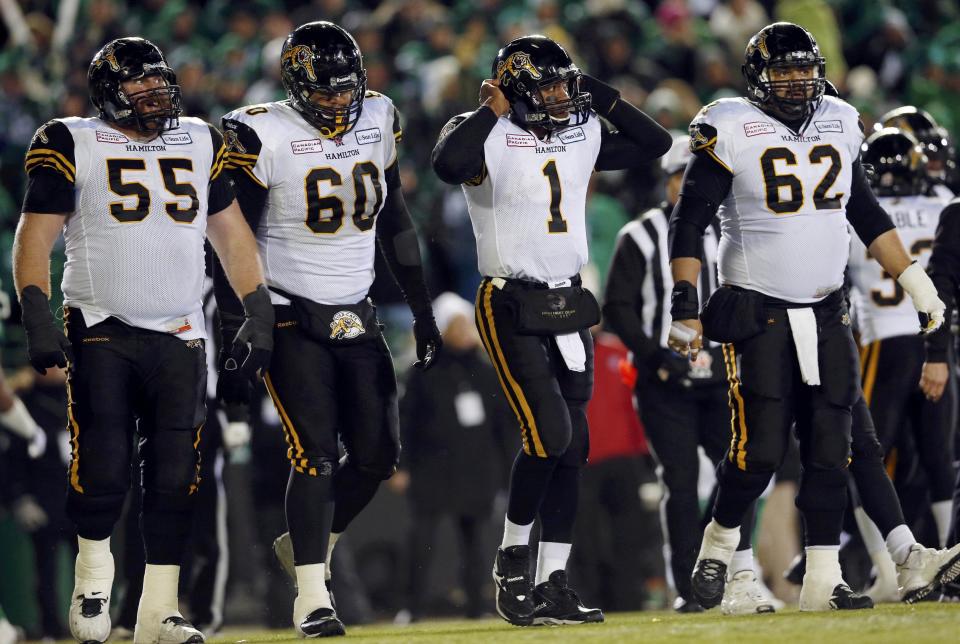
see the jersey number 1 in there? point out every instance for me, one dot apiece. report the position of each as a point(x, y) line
point(556, 223)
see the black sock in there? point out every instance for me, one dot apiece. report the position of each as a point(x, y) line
point(558, 511)
point(737, 492)
point(529, 481)
point(822, 499)
point(352, 491)
point(309, 505)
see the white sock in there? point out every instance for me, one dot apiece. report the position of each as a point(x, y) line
point(551, 556)
point(714, 536)
point(93, 571)
point(898, 543)
point(159, 596)
point(742, 560)
point(19, 421)
point(328, 575)
point(312, 588)
point(941, 515)
point(870, 533)
point(823, 560)
point(515, 534)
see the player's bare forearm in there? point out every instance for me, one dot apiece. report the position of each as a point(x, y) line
point(890, 253)
point(36, 234)
point(236, 247)
point(685, 269)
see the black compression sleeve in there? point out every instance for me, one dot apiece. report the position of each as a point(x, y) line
point(864, 212)
point(705, 185)
point(48, 191)
point(400, 248)
point(638, 140)
point(458, 155)
point(944, 270)
point(622, 298)
point(220, 194)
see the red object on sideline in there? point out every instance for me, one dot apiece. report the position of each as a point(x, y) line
point(615, 429)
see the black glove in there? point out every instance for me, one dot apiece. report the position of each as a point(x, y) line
point(252, 346)
point(47, 346)
point(428, 341)
point(602, 96)
point(233, 388)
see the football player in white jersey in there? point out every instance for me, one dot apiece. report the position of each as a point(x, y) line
point(905, 381)
point(781, 168)
point(135, 192)
point(525, 158)
point(904, 377)
point(318, 180)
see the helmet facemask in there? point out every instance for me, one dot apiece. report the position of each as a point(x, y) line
point(151, 111)
point(535, 109)
point(305, 76)
point(793, 98)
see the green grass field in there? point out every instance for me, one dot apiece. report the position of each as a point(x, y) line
point(929, 622)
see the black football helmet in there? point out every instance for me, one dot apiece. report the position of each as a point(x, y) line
point(937, 144)
point(526, 65)
point(784, 44)
point(150, 111)
point(322, 57)
point(899, 164)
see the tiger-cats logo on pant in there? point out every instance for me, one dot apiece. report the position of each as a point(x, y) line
point(346, 325)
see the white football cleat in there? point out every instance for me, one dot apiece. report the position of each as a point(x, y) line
point(744, 596)
point(926, 570)
point(89, 616)
point(172, 629)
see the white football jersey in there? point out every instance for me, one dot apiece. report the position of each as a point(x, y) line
point(317, 233)
point(783, 223)
point(135, 241)
point(881, 307)
point(528, 208)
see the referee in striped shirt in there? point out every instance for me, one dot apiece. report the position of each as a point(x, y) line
point(682, 404)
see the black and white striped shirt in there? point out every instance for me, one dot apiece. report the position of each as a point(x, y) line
point(637, 297)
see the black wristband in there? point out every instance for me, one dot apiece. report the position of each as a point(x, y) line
point(258, 303)
point(684, 303)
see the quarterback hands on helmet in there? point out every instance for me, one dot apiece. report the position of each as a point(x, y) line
point(428, 339)
point(254, 341)
point(602, 96)
point(926, 301)
point(47, 346)
point(493, 97)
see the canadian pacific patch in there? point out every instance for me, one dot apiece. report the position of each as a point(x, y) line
point(309, 146)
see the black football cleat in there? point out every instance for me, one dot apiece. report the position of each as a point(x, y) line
point(514, 588)
point(845, 599)
point(322, 622)
point(557, 603)
point(684, 605)
point(708, 581)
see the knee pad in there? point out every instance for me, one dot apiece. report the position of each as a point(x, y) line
point(170, 463)
point(379, 468)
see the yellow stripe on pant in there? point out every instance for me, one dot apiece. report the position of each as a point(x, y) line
point(870, 370)
point(510, 386)
point(295, 449)
point(738, 421)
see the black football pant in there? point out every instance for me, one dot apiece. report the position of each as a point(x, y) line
point(125, 379)
point(676, 422)
point(891, 376)
point(324, 392)
point(767, 395)
point(550, 402)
